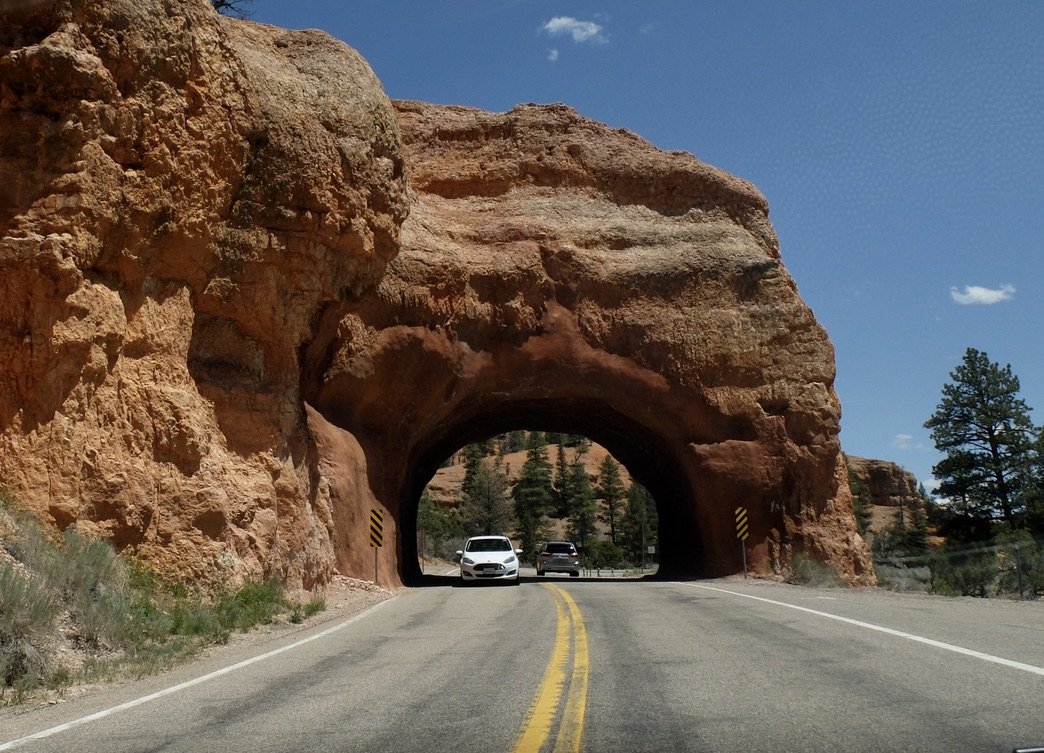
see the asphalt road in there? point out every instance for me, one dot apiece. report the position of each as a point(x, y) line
point(567, 664)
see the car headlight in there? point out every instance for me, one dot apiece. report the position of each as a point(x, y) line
point(468, 561)
point(509, 560)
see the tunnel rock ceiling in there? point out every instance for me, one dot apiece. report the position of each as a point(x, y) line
point(556, 273)
point(248, 299)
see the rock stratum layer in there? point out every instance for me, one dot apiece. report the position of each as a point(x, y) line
point(230, 329)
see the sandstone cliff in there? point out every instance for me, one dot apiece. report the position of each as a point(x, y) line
point(182, 194)
point(222, 341)
point(558, 274)
point(889, 489)
point(886, 483)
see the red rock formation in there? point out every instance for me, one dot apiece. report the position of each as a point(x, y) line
point(886, 484)
point(195, 362)
point(557, 274)
point(182, 195)
point(891, 492)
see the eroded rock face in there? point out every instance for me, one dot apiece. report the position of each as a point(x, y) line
point(558, 274)
point(222, 343)
point(886, 483)
point(182, 195)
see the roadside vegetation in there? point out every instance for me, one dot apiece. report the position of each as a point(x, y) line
point(73, 611)
point(984, 535)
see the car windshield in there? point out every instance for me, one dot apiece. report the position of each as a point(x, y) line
point(488, 545)
point(559, 548)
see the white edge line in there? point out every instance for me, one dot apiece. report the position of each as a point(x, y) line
point(189, 683)
point(890, 631)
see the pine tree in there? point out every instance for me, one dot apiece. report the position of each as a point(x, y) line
point(582, 505)
point(611, 492)
point(639, 523)
point(536, 439)
point(534, 499)
point(486, 507)
point(577, 441)
point(474, 454)
point(513, 441)
point(861, 507)
point(983, 429)
point(917, 531)
point(1034, 487)
point(562, 484)
point(438, 525)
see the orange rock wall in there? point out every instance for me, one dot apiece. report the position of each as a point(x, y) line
point(183, 194)
point(557, 274)
point(229, 327)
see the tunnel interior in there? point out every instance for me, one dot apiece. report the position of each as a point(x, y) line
point(647, 458)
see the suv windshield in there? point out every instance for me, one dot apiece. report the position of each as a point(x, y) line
point(559, 548)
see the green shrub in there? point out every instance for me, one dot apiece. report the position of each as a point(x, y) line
point(195, 618)
point(254, 603)
point(603, 554)
point(301, 612)
point(94, 584)
point(963, 574)
point(143, 623)
point(27, 617)
point(806, 571)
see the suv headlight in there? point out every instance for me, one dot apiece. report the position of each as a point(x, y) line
point(509, 560)
point(468, 561)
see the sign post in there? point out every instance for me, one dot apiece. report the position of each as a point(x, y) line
point(376, 536)
point(742, 532)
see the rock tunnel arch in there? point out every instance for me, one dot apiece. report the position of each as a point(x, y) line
point(650, 461)
point(391, 398)
point(555, 273)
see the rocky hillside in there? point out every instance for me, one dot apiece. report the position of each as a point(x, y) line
point(445, 485)
point(888, 488)
point(886, 483)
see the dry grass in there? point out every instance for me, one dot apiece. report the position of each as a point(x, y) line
point(73, 611)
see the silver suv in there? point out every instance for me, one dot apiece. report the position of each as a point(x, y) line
point(558, 557)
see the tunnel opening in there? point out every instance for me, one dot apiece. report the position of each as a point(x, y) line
point(536, 488)
point(647, 459)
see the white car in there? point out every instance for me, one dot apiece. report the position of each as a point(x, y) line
point(489, 558)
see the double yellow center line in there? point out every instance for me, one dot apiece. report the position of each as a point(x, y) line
point(570, 644)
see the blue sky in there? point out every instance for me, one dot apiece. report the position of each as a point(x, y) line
point(900, 146)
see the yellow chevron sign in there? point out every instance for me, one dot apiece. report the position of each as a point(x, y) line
point(376, 528)
point(742, 527)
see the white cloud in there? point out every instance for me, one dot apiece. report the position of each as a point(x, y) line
point(973, 294)
point(580, 31)
point(552, 55)
point(902, 441)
